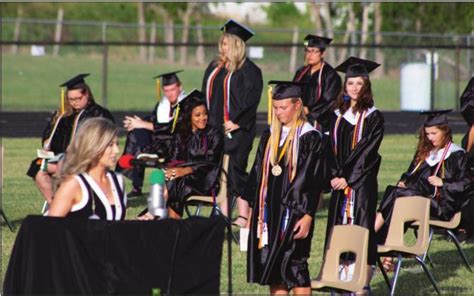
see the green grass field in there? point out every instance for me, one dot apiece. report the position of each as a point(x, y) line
point(130, 83)
point(20, 198)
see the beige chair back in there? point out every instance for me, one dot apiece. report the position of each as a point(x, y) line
point(451, 224)
point(222, 195)
point(409, 209)
point(345, 238)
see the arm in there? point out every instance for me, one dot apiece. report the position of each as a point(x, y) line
point(68, 194)
point(331, 88)
point(135, 122)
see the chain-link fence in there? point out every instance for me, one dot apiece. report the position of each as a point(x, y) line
point(436, 66)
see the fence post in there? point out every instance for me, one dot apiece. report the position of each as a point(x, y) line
point(151, 48)
point(457, 78)
point(104, 32)
point(432, 80)
point(169, 38)
point(16, 33)
point(59, 29)
point(294, 50)
point(105, 62)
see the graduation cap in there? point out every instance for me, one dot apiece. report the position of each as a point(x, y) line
point(190, 101)
point(316, 41)
point(283, 90)
point(435, 117)
point(355, 67)
point(71, 84)
point(166, 79)
point(233, 27)
point(75, 81)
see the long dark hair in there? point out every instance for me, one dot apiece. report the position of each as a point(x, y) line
point(185, 128)
point(425, 146)
point(364, 102)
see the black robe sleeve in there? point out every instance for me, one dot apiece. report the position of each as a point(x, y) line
point(248, 91)
point(467, 103)
point(364, 158)
point(410, 169)
point(95, 110)
point(250, 193)
point(456, 181)
point(330, 89)
point(304, 193)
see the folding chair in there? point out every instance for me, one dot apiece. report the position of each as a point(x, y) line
point(407, 210)
point(5, 218)
point(201, 200)
point(344, 238)
point(448, 226)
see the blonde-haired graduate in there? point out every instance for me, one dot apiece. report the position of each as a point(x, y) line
point(283, 190)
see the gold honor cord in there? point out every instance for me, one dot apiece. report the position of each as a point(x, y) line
point(63, 102)
point(158, 90)
point(175, 119)
point(276, 168)
point(270, 107)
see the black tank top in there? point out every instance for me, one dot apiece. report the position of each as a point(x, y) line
point(99, 204)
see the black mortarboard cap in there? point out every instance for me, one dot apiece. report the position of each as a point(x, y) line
point(435, 117)
point(168, 78)
point(75, 81)
point(467, 102)
point(316, 41)
point(355, 67)
point(233, 27)
point(194, 98)
point(286, 89)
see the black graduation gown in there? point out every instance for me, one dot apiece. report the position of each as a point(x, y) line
point(245, 91)
point(284, 260)
point(63, 133)
point(319, 110)
point(360, 168)
point(202, 145)
point(451, 198)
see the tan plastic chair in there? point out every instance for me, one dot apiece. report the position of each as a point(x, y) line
point(209, 200)
point(448, 226)
point(344, 238)
point(407, 209)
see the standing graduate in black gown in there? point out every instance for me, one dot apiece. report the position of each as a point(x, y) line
point(322, 84)
point(356, 133)
point(77, 104)
point(195, 141)
point(467, 110)
point(437, 171)
point(283, 190)
point(154, 133)
point(233, 86)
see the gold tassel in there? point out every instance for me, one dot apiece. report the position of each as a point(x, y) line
point(63, 106)
point(270, 107)
point(175, 119)
point(158, 90)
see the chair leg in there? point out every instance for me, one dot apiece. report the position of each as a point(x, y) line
point(198, 210)
point(429, 244)
point(428, 273)
point(385, 276)
point(7, 221)
point(395, 277)
point(460, 250)
point(227, 219)
point(45, 208)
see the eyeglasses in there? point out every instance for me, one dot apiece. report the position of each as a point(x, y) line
point(311, 51)
point(76, 99)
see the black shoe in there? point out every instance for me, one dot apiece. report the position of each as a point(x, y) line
point(136, 192)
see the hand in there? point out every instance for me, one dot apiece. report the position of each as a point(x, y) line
point(131, 123)
point(146, 217)
point(306, 110)
point(229, 127)
point(338, 183)
point(177, 172)
point(435, 181)
point(401, 184)
point(302, 227)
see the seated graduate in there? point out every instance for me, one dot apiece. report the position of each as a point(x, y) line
point(77, 104)
point(195, 141)
point(88, 188)
point(154, 133)
point(467, 110)
point(437, 171)
point(283, 190)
